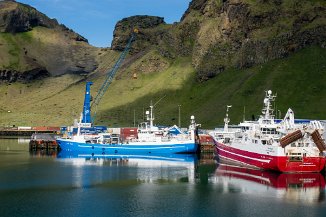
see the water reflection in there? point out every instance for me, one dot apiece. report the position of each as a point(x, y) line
point(293, 188)
point(179, 160)
point(9, 143)
point(148, 168)
point(43, 153)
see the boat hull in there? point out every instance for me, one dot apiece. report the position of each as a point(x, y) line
point(141, 148)
point(268, 162)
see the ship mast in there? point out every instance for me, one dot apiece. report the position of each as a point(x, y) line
point(267, 111)
point(151, 119)
point(227, 119)
point(150, 116)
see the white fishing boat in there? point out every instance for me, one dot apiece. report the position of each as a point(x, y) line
point(285, 146)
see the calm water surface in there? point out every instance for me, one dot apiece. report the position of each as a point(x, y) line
point(176, 185)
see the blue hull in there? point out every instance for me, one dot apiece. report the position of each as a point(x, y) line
point(107, 149)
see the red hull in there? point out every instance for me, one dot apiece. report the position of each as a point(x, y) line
point(268, 162)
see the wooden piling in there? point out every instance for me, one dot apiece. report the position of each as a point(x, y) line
point(206, 144)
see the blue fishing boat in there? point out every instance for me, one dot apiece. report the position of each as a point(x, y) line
point(150, 140)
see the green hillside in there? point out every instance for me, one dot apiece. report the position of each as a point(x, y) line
point(298, 80)
point(220, 53)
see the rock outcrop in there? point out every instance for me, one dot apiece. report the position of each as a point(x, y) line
point(238, 33)
point(34, 46)
point(13, 75)
point(150, 30)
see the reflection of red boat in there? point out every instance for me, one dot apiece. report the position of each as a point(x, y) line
point(293, 186)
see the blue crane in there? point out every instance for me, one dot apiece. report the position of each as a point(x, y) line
point(86, 115)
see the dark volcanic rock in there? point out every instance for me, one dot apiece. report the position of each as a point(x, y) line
point(17, 17)
point(20, 18)
point(238, 33)
point(29, 53)
point(13, 75)
point(148, 32)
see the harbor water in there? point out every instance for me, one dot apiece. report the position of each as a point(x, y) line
point(51, 184)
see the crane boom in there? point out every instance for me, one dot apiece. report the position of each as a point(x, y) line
point(110, 75)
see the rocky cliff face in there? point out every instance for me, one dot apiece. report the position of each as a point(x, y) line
point(150, 29)
point(33, 45)
point(222, 34)
point(16, 18)
point(239, 33)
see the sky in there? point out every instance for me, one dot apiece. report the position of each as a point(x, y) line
point(95, 20)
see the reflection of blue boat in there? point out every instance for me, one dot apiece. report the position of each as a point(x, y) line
point(112, 168)
point(148, 160)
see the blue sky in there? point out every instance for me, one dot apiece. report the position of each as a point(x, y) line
point(95, 20)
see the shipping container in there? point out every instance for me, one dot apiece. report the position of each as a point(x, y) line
point(46, 128)
point(114, 130)
point(24, 128)
point(128, 133)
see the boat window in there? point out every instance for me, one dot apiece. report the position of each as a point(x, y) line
point(244, 128)
point(293, 145)
point(268, 130)
point(295, 158)
point(264, 142)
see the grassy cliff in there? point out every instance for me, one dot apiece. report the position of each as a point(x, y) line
point(298, 80)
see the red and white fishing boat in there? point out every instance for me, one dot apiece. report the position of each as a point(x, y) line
point(288, 145)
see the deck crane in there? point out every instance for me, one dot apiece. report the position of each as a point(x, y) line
point(86, 115)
